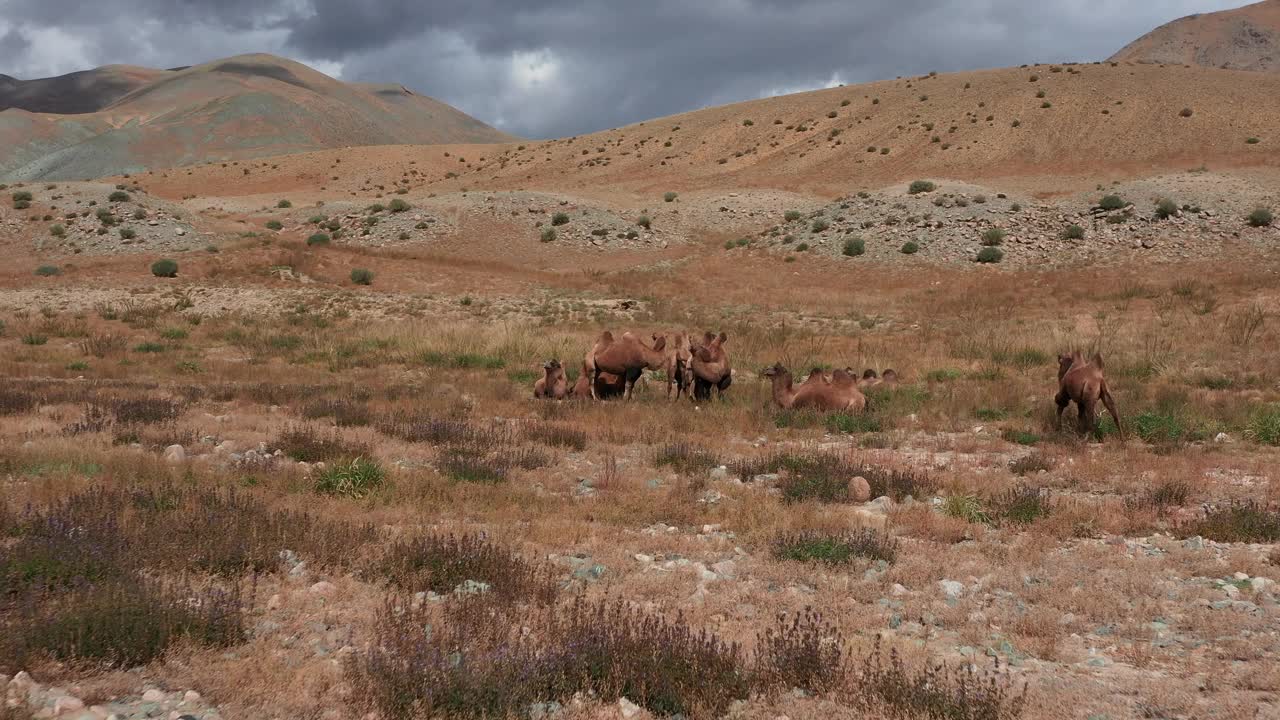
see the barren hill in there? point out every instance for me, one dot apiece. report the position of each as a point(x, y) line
point(1053, 128)
point(1247, 38)
point(242, 107)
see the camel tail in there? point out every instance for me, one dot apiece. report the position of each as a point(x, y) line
point(1110, 404)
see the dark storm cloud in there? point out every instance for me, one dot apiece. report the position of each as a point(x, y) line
point(557, 67)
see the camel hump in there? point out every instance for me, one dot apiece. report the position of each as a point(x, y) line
point(840, 377)
point(722, 338)
point(1097, 360)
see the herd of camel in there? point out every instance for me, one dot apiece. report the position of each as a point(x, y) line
point(693, 368)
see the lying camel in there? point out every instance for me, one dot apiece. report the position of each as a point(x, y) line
point(608, 385)
point(1083, 382)
point(840, 394)
point(711, 367)
point(678, 370)
point(627, 357)
point(552, 385)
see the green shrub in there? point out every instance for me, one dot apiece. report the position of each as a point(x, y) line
point(34, 339)
point(820, 225)
point(748, 123)
point(149, 347)
point(1160, 427)
point(275, 225)
point(990, 255)
point(1264, 426)
point(164, 268)
point(362, 276)
point(58, 231)
point(835, 549)
point(119, 196)
point(284, 204)
point(1020, 437)
point(21, 196)
point(792, 215)
point(1260, 218)
point(1166, 208)
point(353, 479)
point(318, 239)
point(1247, 522)
point(174, 334)
point(398, 206)
point(1073, 232)
point(669, 197)
point(48, 270)
point(854, 246)
point(992, 237)
point(128, 233)
point(909, 248)
point(644, 222)
point(560, 218)
point(1252, 141)
point(548, 235)
point(799, 248)
point(139, 214)
point(1112, 202)
point(921, 186)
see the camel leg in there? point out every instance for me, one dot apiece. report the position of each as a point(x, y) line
point(1087, 413)
point(595, 375)
point(1063, 400)
point(1110, 404)
point(723, 385)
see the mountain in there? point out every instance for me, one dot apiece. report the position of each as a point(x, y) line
point(1246, 38)
point(119, 119)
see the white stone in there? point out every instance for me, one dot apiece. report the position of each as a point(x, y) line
point(628, 708)
point(175, 455)
point(1260, 584)
point(66, 705)
point(153, 695)
point(951, 588)
point(191, 697)
point(274, 602)
point(323, 588)
point(1231, 591)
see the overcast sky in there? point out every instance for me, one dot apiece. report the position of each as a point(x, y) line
point(547, 68)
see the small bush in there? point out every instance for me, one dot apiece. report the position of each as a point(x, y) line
point(992, 237)
point(21, 196)
point(990, 255)
point(548, 235)
point(48, 271)
point(1160, 427)
point(318, 239)
point(1033, 463)
point(362, 276)
point(284, 204)
point(644, 222)
point(398, 206)
point(792, 215)
point(854, 247)
point(443, 563)
point(560, 219)
point(909, 248)
point(1020, 437)
point(1185, 112)
point(275, 225)
point(685, 458)
point(1247, 522)
point(1252, 141)
point(304, 444)
point(353, 479)
point(669, 197)
point(1166, 209)
point(164, 268)
point(835, 549)
point(921, 186)
point(747, 123)
point(1073, 232)
point(1021, 505)
point(1264, 426)
point(1260, 218)
point(820, 225)
point(802, 247)
point(128, 233)
point(58, 231)
point(1112, 202)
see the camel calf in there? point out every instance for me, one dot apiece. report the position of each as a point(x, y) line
point(553, 385)
point(710, 367)
point(1082, 381)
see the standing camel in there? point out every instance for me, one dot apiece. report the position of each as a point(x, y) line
point(628, 357)
point(1082, 381)
point(608, 385)
point(711, 367)
point(678, 371)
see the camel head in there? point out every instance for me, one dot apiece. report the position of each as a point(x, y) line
point(776, 371)
point(869, 374)
point(1065, 362)
point(551, 365)
point(890, 376)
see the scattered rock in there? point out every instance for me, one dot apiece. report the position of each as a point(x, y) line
point(324, 588)
point(951, 588)
point(860, 489)
point(175, 455)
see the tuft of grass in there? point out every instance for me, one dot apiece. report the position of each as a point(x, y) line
point(966, 507)
point(669, 197)
point(1112, 202)
point(1261, 217)
point(685, 458)
point(305, 444)
point(164, 268)
point(284, 204)
point(441, 563)
point(1033, 463)
point(1166, 208)
point(993, 236)
point(921, 186)
point(362, 276)
point(819, 225)
point(548, 235)
point(854, 247)
point(48, 270)
point(1243, 522)
point(1020, 437)
point(909, 248)
point(274, 225)
point(560, 218)
point(1073, 232)
point(835, 549)
point(398, 206)
point(989, 255)
point(1263, 426)
point(1021, 505)
point(318, 239)
point(119, 196)
point(352, 479)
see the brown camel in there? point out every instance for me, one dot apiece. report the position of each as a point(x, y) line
point(1083, 382)
point(841, 394)
point(678, 370)
point(627, 357)
point(552, 385)
point(711, 367)
point(608, 385)
point(870, 378)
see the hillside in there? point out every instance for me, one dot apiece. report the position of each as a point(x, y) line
point(1101, 123)
point(75, 93)
point(1246, 38)
point(237, 108)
